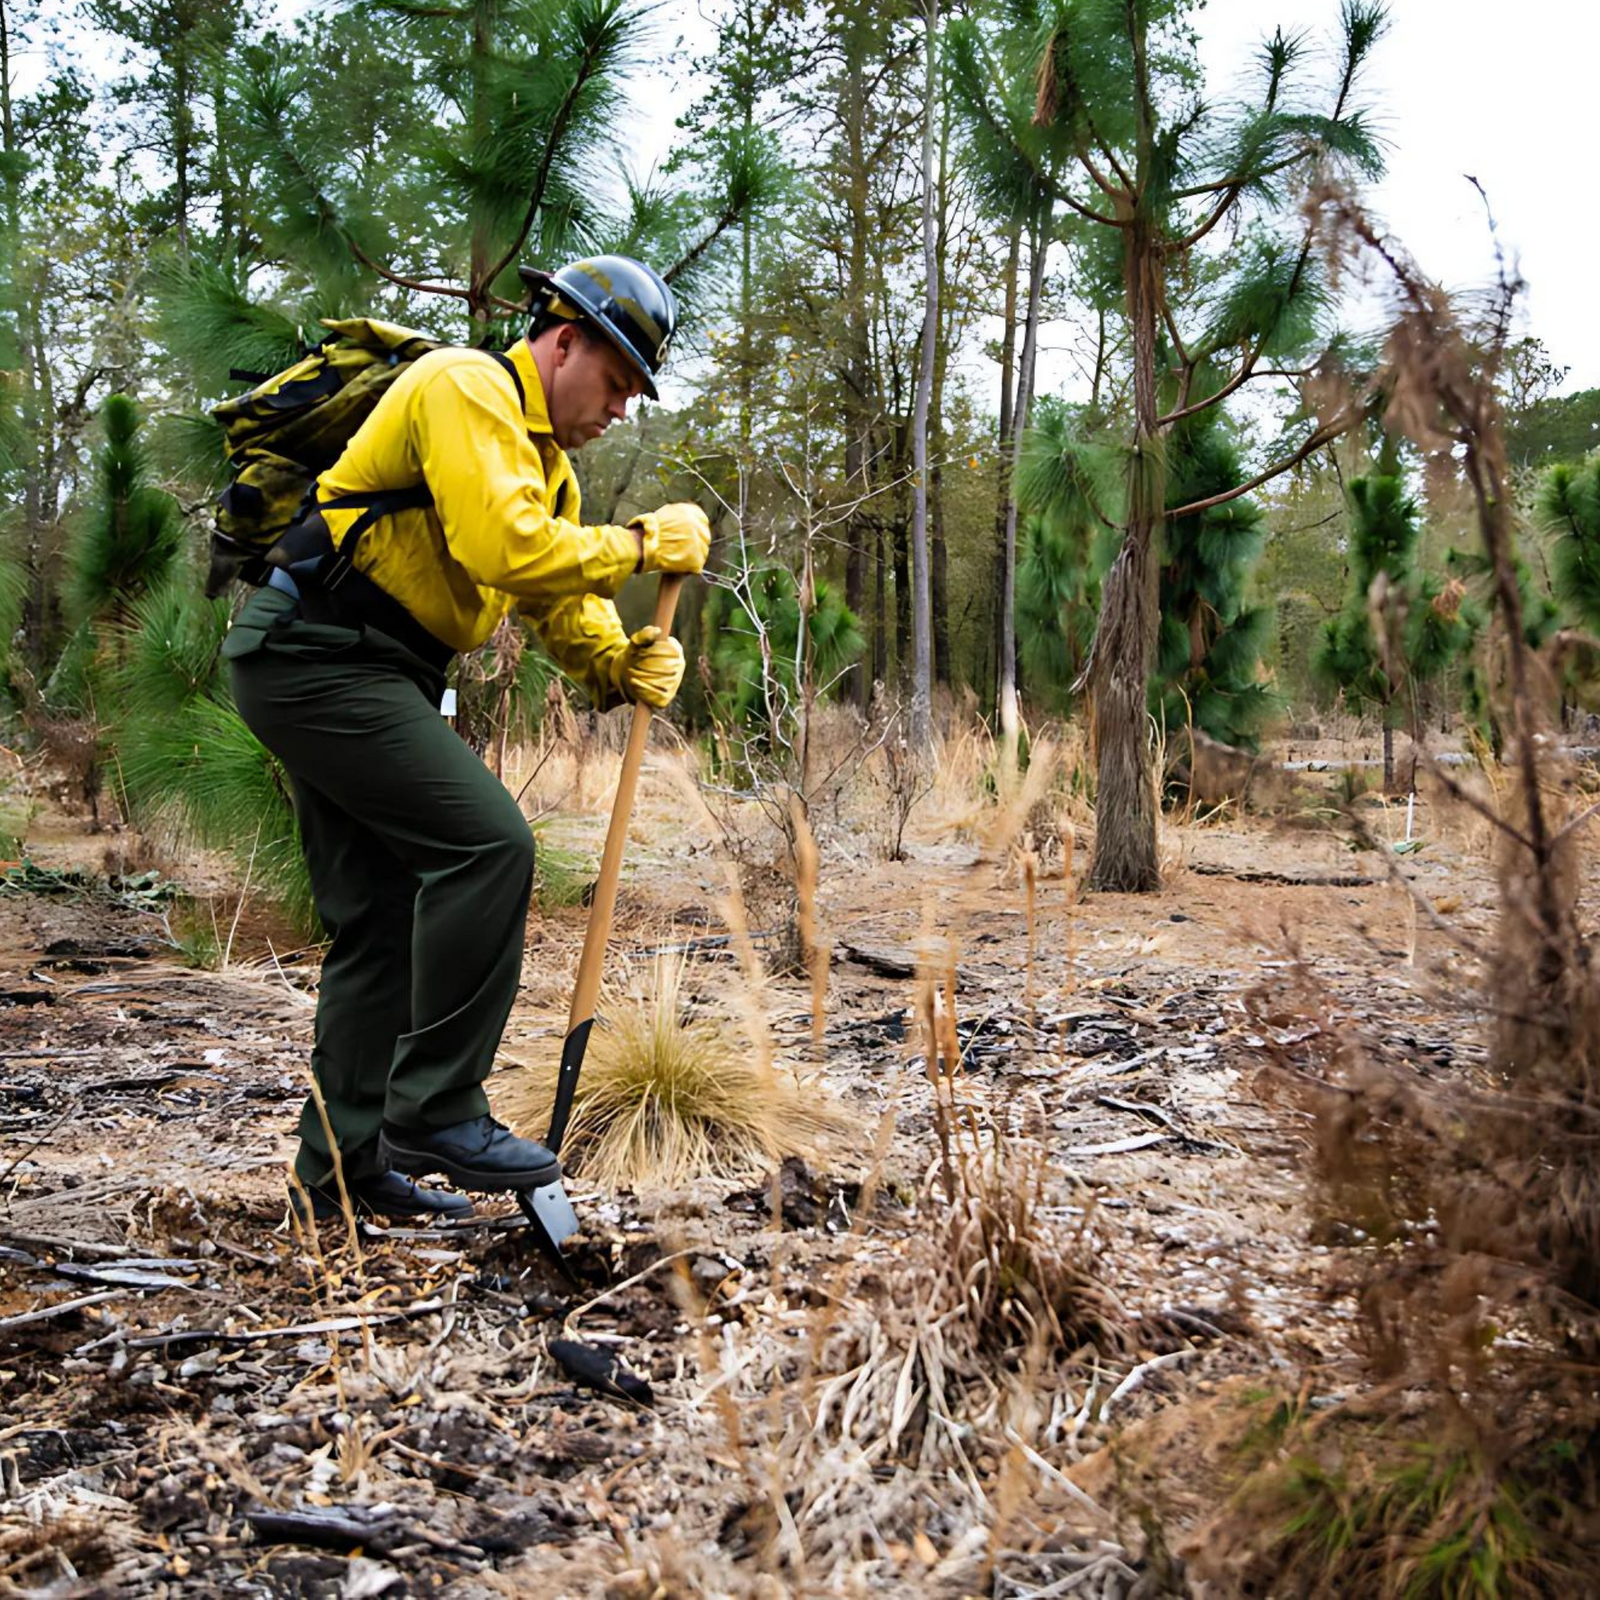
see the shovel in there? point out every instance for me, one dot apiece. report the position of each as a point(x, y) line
point(547, 1208)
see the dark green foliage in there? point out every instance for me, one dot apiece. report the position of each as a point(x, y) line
point(1064, 489)
point(183, 757)
point(208, 320)
point(133, 532)
point(1569, 509)
point(1541, 619)
point(13, 586)
point(1212, 640)
point(1208, 667)
point(1056, 597)
point(833, 643)
point(1427, 624)
point(1555, 428)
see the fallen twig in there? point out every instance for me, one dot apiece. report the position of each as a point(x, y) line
point(181, 1336)
point(1116, 1147)
point(1310, 880)
point(51, 1241)
point(1135, 1379)
point(61, 1308)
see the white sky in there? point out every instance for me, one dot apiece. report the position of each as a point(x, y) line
point(1506, 92)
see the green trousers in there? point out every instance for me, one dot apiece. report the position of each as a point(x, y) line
point(421, 864)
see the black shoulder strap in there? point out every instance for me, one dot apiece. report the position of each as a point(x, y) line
point(516, 377)
point(386, 502)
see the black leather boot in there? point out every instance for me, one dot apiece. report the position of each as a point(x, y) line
point(481, 1154)
point(389, 1194)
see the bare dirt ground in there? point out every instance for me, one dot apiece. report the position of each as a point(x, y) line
point(194, 1401)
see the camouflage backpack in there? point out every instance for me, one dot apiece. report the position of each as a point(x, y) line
point(288, 430)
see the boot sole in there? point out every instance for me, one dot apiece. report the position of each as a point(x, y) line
point(328, 1211)
point(424, 1163)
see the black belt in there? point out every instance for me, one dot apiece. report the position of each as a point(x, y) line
point(330, 589)
point(358, 602)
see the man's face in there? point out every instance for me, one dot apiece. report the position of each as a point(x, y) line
point(591, 383)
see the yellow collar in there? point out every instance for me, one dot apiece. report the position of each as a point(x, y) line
point(535, 409)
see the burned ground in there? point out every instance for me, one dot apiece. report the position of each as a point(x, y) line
point(196, 1399)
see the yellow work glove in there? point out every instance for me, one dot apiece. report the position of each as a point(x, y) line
point(677, 538)
point(649, 669)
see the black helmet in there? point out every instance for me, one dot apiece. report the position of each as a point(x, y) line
point(628, 302)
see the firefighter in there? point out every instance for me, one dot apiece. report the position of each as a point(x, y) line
point(421, 863)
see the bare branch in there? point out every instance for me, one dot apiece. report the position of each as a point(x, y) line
point(1332, 430)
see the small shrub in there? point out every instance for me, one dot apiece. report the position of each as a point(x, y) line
point(666, 1097)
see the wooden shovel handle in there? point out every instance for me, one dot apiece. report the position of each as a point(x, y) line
point(586, 992)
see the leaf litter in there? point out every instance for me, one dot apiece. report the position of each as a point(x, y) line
point(900, 1363)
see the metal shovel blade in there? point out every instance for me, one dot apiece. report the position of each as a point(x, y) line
point(550, 1215)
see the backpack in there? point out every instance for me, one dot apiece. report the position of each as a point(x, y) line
point(292, 427)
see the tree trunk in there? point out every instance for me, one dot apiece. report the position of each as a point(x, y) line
point(1388, 757)
point(939, 568)
point(1125, 856)
point(27, 339)
point(880, 612)
point(182, 116)
point(900, 554)
point(1002, 504)
point(481, 66)
point(29, 410)
point(921, 599)
point(221, 176)
point(938, 443)
point(1010, 716)
point(858, 532)
point(746, 264)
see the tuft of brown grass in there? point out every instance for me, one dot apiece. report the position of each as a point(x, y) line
point(667, 1096)
point(1020, 1279)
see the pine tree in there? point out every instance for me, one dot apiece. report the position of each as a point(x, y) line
point(1021, 166)
point(185, 759)
point(1398, 627)
point(758, 647)
point(1208, 667)
point(1157, 169)
point(1066, 491)
point(133, 533)
point(1569, 509)
point(1208, 664)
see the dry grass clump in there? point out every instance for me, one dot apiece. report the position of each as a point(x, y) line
point(667, 1096)
point(914, 1422)
point(1020, 1278)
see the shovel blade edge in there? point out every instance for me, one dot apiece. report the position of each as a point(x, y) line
point(550, 1212)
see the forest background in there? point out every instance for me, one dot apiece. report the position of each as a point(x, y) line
point(1005, 332)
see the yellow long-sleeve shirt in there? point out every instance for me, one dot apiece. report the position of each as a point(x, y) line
point(503, 530)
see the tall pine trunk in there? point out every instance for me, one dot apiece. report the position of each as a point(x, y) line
point(1125, 856)
point(859, 527)
point(1008, 361)
point(938, 443)
point(182, 119)
point(28, 409)
point(939, 568)
point(921, 603)
point(900, 554)
point(482, 64)
point(1010, 713)
point(880, 612)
